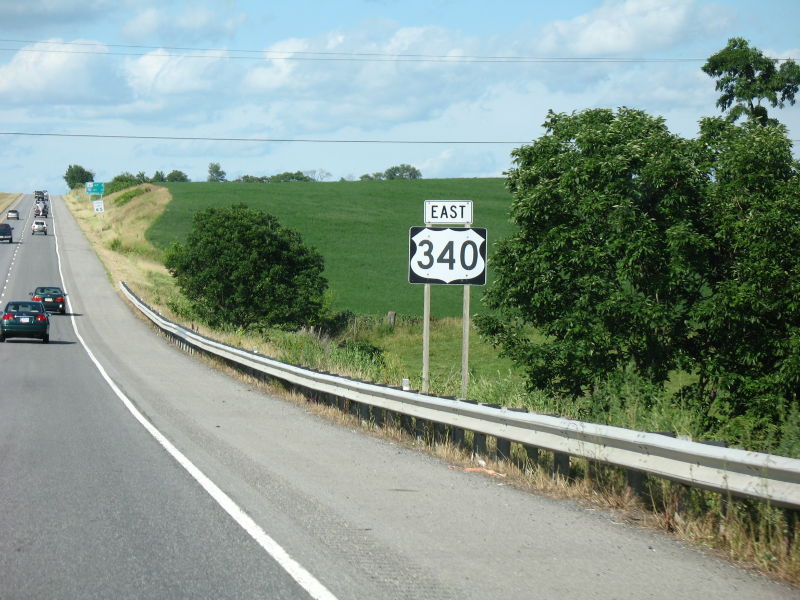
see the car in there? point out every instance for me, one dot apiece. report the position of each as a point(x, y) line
point(5, 232)
point(13, 214)
point(53, 298)
point(26, 319)
point(39, 226)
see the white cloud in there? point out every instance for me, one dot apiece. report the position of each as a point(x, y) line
point(37, 75)
point(161, 73)
point(630, 26)
point(45, 12)
point(184, 23)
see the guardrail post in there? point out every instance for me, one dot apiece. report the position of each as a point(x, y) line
point(457, 436)
point(479, 444)
point(560, 465)
point(790, 516)
point(406, 424)
point(439, 433)
point(377, 416)
point(503, 449)
point(635, 482)
point(363, 412)
point(532, 453)
point(421, 426)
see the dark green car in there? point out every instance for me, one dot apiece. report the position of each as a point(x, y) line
point(53, 298)
point(25, 318)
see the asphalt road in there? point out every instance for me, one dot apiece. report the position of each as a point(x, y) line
point(92, 505)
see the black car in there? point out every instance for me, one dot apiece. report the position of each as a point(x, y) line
point(5, 232)
point(25, 318)
point(52, 297)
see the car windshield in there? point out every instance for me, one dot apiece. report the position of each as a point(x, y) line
point(48, 290)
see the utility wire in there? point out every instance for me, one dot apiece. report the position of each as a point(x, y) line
point(308, 55)
point(328, 55)
point(259, 140)
point(263, 140)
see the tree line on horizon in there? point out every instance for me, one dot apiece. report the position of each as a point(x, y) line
point(76, 176)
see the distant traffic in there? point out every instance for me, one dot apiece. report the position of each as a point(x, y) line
point(30, 318)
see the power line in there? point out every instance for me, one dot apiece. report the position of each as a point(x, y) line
point(265, 140)
point(258, 140)
point(329, 55)
point(307, 55)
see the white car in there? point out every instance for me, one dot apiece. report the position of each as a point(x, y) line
point(39, 226)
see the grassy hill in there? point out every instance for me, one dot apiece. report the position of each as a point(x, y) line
point(361, 228)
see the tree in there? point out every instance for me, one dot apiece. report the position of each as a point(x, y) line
point(747, 78)
point(121, 181)
point(319, 175)
point(606, 260)
point(745, 343)
point(141, 177)
point(240, 266)
point(76, 176)
point(215, 172)
point(177, 176)
point(288, 176)
point(402, 171)
point(158, 177)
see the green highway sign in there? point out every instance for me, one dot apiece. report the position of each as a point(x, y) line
point(95, 188)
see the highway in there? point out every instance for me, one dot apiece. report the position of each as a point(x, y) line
point(249, 496)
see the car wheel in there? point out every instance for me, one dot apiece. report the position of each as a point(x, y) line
point(2, 338)
point(46, 338)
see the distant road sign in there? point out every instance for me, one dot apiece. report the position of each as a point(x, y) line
point(98, 206)
point(95, 188)
point(447, 255)
point(448, 212)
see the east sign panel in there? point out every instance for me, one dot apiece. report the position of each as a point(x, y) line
point(448, 212)
point(447, 255)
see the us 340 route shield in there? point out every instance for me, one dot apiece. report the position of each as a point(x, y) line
point(447, 255)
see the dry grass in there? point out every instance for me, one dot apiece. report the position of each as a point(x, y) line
point(6, 200)
point(750, 535)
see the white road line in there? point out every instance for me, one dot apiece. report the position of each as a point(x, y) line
point(305, 579)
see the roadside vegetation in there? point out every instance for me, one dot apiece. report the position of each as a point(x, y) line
point(5, 201)
point(643, 280)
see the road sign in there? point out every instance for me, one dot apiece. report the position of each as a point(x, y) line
point(446, 255)
point(98, 206)
point(95, 188)
point(448, 212)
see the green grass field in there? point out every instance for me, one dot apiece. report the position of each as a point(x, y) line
point(361, 228)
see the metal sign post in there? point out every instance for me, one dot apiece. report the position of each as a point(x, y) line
point(447, 256)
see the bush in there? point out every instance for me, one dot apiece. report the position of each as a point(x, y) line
point(240, 266)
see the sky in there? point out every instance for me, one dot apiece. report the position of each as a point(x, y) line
point(340, 89)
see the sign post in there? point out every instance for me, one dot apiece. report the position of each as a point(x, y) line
point(447, 256)
point(96, 188)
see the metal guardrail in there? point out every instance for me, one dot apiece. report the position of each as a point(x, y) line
point(775, 479)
